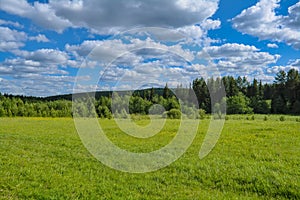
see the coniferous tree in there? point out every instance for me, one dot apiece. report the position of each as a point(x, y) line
point(166, 92)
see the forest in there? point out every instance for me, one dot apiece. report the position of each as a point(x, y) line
point(242, 97)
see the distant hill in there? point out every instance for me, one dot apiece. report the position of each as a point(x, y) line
point(99, 94)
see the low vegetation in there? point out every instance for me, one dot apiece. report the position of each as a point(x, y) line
point(43, 158)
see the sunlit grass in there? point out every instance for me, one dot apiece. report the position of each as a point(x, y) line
point(42, 158)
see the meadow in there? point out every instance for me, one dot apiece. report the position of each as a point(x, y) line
point(256, 157)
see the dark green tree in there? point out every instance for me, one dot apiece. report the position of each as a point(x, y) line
point(166, 92)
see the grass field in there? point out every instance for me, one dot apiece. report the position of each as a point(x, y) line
point(42, 158)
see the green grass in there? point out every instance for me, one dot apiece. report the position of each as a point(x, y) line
point(44, 158)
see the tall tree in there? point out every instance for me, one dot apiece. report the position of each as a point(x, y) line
point(166, 92)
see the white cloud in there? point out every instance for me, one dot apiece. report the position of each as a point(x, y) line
point(38, 85)
point(20, 67)
point(38, 73)
point(295, 63)
point(7, 34)
point(232, 59)
point(10, 23)
point(11, 39)
point(229, 50)
point(272, 45)
point(47, 56)
point(41, 14)
point(134, 63)
point(275, 69)
point(39, 38)
point(45, 71)
point(109, 50)
point(42, 73)
point(211, 24)
point(109, 16)
point(262, 21)
point(10, 46)
point(261, 75)
point(293, 19)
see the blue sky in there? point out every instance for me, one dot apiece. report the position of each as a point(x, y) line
point(52, 47)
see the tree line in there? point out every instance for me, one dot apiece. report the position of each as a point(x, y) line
point(19, 106)
point(204, 96)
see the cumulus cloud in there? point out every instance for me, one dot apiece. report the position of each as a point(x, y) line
point(293, 19)
point(37, 85)
point(229, 50)
point(109, 50)
point(197, 34)
point(262, 21)
point(295, 63)
point(135, 62)
point(210, 24)
point(47, 56)
point(137, 59)
point(20, 67)
point(272, 45)
point(152, 73)
point(38, 73)
point(40, 13)
point(39, 38)
point(108, 16)
point(292, 64)
point(275, 69)
point(10, 23)
point(10, 46)
point(11, 40)
point(245, 60)
point(233, 58)
point(41, 72)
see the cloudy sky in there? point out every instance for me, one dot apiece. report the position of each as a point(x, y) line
point(50, 47)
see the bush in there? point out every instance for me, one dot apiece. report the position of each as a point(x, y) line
point(104, 112)
point(282, 118)
point(156, 109)
point(190, 112)
point(121, 115)
point(218, 116)
point(174, 114)
point(239, 104)
point(202, 114)
point(165, 114)
point(124, 114)
point(253, 118)
point(265, 118)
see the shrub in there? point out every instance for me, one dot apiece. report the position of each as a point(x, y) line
point(104, 112)
point(174, 114)
point(190, 112)
point(165, 114)
point(218, 116)
point(202, 114)
point(282, 118)
point(121, 115)
point(239, 104)
point(124, 114)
